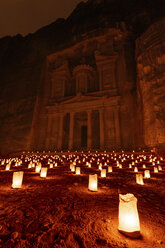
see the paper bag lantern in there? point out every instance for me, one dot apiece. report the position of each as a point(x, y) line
point(77, 170)
point(89, 165)
point(100, 166)
point(51, 165)
point(139, 179)
point(38, 168)
point(135, 169)
point(147, 174)
point(29, 166)
point(7, 167)
point(109, 168)
point(43, 172)
point(92, 186)
point(155, 170)
point(103, 173)
point(17, 179)
point(73, 168)
point(128, 216)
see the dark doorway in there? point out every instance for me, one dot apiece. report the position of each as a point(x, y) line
point(83, 136)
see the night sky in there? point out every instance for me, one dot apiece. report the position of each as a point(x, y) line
point(27, 16)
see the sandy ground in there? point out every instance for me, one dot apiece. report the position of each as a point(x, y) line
point(60, 211)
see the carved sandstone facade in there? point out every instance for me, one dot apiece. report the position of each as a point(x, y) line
point(84, 100)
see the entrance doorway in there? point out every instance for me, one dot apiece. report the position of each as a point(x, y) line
point(83, 136)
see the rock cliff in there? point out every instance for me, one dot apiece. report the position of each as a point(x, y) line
point(22, 59)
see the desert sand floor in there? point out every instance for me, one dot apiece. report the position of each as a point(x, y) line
point(60, 211)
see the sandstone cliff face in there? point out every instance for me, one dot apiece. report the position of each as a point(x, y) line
point(22, 58)
point(150, 54)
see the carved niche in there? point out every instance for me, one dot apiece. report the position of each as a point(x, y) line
point(106, 67)
point(59, 81)
point(84, 76)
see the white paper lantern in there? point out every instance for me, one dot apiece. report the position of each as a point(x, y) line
point(139, 179)
point(17, 179)
point(43, 172)
point(93, 182)
point(7, 167)
point(103, 173)
point(109, 169)
point(147, 174)
point(128, 215)
point(100, 166)
point(77, 170)
point(38, 168)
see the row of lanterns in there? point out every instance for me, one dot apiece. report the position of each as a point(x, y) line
point(128, 214)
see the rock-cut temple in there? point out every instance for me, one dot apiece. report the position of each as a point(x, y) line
point(104, 89)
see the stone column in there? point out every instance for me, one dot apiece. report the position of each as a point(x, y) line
point(60, 136)
point(100, 80)
point(117, 126)
point(89, 135)
point(48, 132)
point(101, 117)
point(71, 129)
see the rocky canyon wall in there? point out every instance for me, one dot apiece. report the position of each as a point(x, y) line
point(150, 56)
point(22, 66)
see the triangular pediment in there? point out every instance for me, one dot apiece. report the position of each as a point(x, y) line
point(81, 98)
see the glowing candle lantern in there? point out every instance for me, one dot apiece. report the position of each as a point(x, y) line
point(144, 166)
point(135, 169)
point(51, 166)
point(109, 168)
point(139, 179)
point(103, 173)
point(38, 168)
point(128, 215)
point(7, 167)
point(120, 166)
point(92, 186)
point(17, 179)
point(100, 166)
point(77, 170)
point(89, 165)
point(73, 168)
point(130, 166)
point(155, 170)
point(159, 167)
point(3, 162)
point(147, 174)
point(29, 166)
point(43, 172)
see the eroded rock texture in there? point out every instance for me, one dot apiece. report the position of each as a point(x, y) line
point(150, 54)
point(93, 33)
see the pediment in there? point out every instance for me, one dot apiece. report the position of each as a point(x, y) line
point(81, 98)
